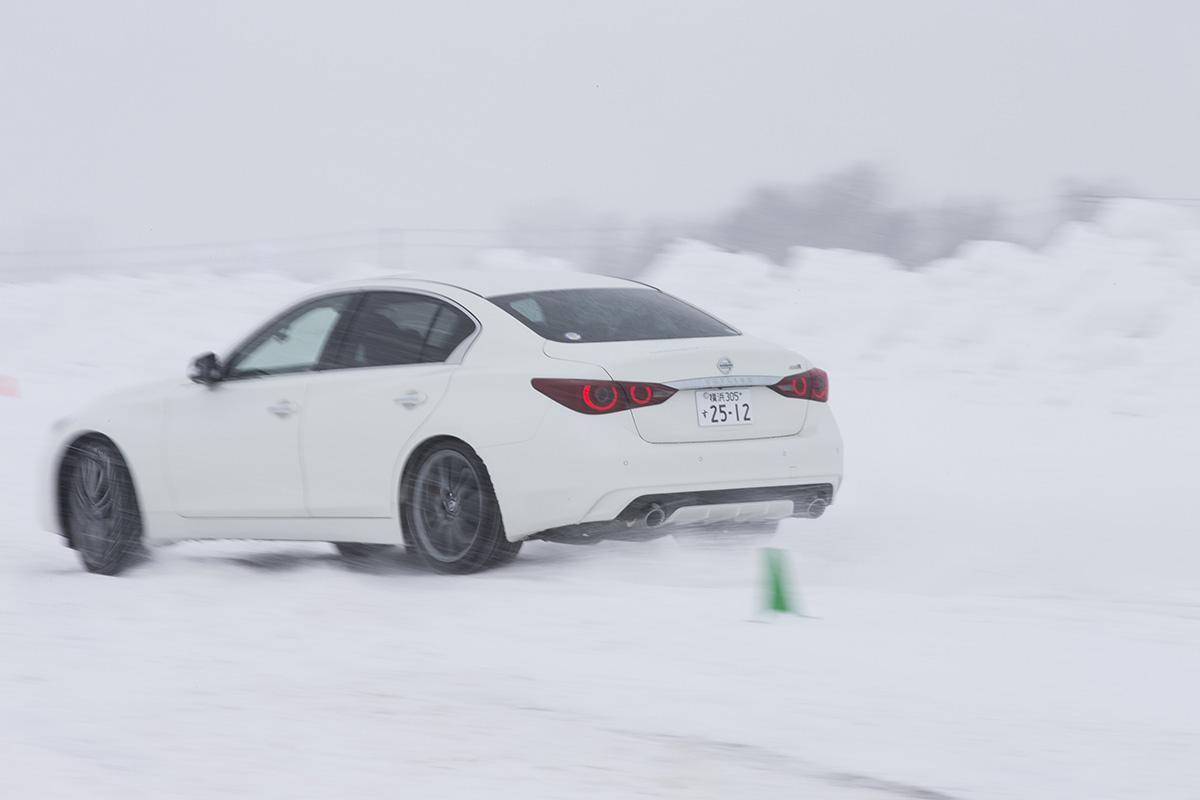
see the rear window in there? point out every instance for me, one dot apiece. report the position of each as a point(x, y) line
point(610, 315)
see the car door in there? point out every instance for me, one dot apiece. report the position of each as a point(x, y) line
point(391, 370)
point(233, 448)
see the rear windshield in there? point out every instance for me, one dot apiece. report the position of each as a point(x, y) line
point(610, 315)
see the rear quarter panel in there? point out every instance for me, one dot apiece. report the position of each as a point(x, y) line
point(491, 405)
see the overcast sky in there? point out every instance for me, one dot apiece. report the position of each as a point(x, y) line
point(161, 122)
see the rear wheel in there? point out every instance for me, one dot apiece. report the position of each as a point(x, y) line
point(102, 519)
point(450, 512)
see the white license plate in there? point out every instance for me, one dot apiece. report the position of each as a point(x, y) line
point(724, 407)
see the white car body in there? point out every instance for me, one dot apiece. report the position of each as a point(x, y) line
point(320, 455)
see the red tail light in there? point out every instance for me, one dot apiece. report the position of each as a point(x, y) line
point(810, 385)
point(602, 397)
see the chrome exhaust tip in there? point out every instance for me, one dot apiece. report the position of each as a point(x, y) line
point(815, 508)
point(654, 517)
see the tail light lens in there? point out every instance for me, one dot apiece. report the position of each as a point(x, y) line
point(602, 397)
point(646, 394)
point(810, 385)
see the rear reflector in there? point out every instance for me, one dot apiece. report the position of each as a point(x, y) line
point(810, 385)
point(602, 397)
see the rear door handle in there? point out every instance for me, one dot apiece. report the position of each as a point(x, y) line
point(282, 409)
point(411, 399)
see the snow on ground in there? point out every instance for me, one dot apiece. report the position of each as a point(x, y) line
point(1003, 604)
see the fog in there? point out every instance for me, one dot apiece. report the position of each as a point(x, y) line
point(137, 123)
point(976, 226)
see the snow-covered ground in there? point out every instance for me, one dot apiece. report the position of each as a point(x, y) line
point(1005, 602)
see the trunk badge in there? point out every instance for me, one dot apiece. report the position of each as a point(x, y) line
point(725, 365)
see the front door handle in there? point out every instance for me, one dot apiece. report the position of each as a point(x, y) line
point(411, 399)
point(282, 409)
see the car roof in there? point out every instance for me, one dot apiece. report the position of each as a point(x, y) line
point(492, 282)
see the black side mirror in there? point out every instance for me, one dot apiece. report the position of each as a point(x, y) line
point(206, 369)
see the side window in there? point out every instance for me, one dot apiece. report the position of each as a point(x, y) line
point(393, 328)
point(447, 331)
point(293, 343)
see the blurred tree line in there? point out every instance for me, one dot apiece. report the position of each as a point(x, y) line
point(852, 209)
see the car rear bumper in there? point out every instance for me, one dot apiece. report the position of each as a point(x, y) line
point(650, 516)
point(581, 470)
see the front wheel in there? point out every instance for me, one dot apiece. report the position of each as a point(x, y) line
point(451, 514)
point(102, 519)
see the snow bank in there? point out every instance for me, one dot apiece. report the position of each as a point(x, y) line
point(1107, 314)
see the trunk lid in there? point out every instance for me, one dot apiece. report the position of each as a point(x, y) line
point(737, 368)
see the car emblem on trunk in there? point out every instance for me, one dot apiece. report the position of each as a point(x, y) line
point(725, 365)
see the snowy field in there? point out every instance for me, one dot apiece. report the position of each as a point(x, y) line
point(1004, 603)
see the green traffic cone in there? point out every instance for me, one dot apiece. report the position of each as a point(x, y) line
point(777, 594)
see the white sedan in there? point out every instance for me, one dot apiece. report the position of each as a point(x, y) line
point(457, 417)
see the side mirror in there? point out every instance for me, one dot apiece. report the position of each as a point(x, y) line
point(205, 369)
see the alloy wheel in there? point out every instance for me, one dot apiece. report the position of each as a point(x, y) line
point(448, 505)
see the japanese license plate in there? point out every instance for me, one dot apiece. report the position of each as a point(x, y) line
point(724, 407)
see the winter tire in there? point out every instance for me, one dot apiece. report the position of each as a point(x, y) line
point(450, 513)
point(103, 523)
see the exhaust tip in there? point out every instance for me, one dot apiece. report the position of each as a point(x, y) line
point(655, 516)
point(815, 508)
